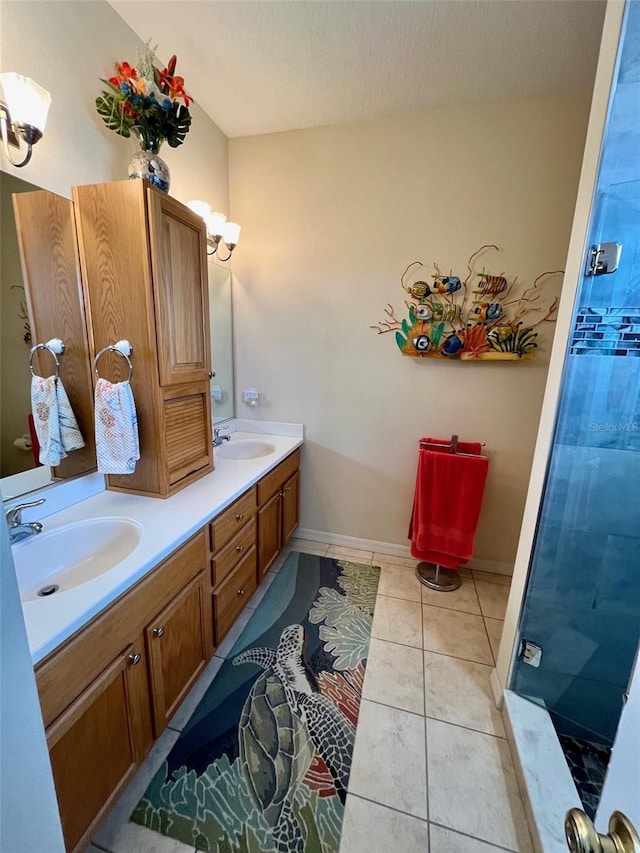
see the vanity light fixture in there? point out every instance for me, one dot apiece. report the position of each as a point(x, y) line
point(24, 115)
point(218, 229)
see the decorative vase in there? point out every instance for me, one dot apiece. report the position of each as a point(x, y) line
point(146, 164)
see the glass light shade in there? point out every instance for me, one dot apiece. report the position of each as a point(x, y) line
point(201, 208)
point(216, 224)
point(231, 234)
point(27, 102)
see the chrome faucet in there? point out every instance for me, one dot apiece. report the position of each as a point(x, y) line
point(219, 437)
point(19, 529)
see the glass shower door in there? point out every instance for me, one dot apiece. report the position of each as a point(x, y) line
point(580, 623)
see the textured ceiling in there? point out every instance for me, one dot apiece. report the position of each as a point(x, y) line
point(266, 66)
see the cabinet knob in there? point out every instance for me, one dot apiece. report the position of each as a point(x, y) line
point(239, 516)
point(240, 549)
point(240, 592)
point(135, 658)
point(158, 632)
point(212, 374)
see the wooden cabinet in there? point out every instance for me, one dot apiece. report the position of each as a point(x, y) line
point(114, 684)
point(144, 269)
point(233, 561)
point(97, 743)
point(278, 513)
point(178, 643)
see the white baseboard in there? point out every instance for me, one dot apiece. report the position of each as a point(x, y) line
point(390, 548)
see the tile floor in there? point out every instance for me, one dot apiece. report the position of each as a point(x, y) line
point(431, 767)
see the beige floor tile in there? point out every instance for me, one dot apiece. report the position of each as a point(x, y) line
point(494, 630)
point(491, 577)
point(395, 676)
point(399, 582)
point(353, 554)
point(132, 838)
point(369, 827)
point(473, 788)
point(398, 621)
point(393, 560)
point(493, 599)
point(389, 764)
point(464, 598)
point(446, 841)
point(308, 547)
point(452, 632)
point(458, 691)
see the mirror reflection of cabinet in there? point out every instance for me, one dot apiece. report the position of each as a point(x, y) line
point(144, 269)
point(51, 276)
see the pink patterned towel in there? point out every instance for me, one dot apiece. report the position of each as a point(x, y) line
point(117, 446)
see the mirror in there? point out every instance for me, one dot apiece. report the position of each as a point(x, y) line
point(15, 341)
point(221, 318)
point(41, 299)
point(18, 471)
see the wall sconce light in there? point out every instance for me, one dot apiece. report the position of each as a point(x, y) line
point(24, 115)
point(218, 229)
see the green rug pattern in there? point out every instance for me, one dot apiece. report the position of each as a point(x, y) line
point(263, 764)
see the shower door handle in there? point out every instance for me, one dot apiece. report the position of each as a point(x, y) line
point(583, 837)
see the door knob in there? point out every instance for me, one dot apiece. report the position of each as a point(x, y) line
point(158, 632)
point(583, 837)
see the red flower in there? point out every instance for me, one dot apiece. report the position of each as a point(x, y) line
point(171, 85)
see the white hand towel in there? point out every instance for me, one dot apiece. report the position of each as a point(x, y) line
point(54, 421)
point(117, 447)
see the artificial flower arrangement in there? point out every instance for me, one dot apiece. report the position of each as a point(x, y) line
point(145, 101)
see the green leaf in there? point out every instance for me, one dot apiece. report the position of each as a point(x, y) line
point(405, 327)
point(435, 336)
point(412, 314)
point(400, 340)
point(112, 115)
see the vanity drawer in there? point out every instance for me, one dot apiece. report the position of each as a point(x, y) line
point(227, 524)
point(232, 595)
point(274, 480)
point(225, 560)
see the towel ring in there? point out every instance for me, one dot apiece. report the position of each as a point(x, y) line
point(123, 348)
point(55, 347)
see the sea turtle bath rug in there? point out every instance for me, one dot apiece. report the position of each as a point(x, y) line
point(262, 766)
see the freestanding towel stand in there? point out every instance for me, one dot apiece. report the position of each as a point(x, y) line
point(434, 575)
point(437, 577)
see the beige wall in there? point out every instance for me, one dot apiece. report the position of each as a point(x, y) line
point(331, 217)
point(67, 47)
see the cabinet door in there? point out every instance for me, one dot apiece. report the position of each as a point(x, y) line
point(181, 290)
point(290, 507)
point(96, 745)
point(269, 534)
point(179, 643)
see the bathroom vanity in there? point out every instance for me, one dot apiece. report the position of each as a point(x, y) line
point(115, 656)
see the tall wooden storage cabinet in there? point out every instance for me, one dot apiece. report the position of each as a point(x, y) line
point(144, 266)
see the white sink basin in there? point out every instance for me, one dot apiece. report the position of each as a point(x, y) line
point(72, 555)
point(245, 448)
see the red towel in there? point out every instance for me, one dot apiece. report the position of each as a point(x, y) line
point(446, 506)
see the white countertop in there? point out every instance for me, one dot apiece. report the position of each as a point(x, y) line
point(166, 524)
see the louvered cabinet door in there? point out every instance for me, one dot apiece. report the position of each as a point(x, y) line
point(187, 432)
